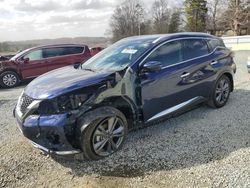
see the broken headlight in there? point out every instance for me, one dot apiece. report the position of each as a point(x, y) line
point(71, 102)
point(62, 104)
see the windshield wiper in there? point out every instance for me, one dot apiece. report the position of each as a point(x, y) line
point(87, 69)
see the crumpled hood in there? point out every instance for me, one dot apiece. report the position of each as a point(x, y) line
point(63, 80)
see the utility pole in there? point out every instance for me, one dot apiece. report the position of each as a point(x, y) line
point(139, 14)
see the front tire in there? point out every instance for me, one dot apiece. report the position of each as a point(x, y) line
point(9, 79)
point(104, 135)
point(221, 92)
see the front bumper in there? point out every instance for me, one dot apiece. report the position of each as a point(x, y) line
point(48, 133)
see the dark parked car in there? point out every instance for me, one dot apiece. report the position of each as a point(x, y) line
point(9, 56)
point(3, 58)
point(135, 82)
point(33, 62)
point(248, 64)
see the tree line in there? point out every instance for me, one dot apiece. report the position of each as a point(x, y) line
point(212, 16)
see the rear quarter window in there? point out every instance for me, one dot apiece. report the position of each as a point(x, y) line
point(214, 43)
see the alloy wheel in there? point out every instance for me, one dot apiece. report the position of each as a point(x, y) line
point(108, 136)
point(9, 80)
point(222, 91)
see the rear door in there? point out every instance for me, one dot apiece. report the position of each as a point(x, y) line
point(62, 56)
point(179, 83)
point(32, 64)
point(55, 58)
point(200, 58)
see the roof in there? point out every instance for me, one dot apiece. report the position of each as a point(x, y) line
point(56, 45)
point(164, 37)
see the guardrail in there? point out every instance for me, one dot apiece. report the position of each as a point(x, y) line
point(237, 42)
point(236, 39)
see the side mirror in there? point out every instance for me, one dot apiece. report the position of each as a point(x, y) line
point(152, 66)
point(77, 65)
point(26, 60)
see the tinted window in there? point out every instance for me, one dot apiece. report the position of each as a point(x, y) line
point(168, 54)
point(193, 48)
point(53, 52)
point(214, 43)
point(73, 50)
point(34, 55)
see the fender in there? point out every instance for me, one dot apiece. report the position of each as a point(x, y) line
point(88, 118)
point(226, 72)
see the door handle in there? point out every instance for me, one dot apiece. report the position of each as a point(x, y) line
point(185, 74)
point(214, 63)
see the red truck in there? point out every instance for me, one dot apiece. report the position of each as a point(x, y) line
point(33, 62)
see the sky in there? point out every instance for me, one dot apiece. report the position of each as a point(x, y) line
point(48, 19)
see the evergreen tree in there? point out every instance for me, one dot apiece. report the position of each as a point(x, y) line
point(175, 22)
point(196, 13)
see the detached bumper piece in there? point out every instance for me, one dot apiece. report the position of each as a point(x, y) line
point(46, 150)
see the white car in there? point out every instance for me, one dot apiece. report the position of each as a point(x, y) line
point(248, 64)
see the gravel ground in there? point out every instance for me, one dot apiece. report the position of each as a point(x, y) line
point(201, 148)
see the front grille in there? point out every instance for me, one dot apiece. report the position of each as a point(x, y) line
point(25, 102)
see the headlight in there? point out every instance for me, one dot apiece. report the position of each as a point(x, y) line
point(62, 104)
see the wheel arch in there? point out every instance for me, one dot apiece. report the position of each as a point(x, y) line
point(12, 70)
point(123, 104)
point(230, 76)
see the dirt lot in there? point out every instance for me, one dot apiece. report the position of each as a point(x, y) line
point(202, 148)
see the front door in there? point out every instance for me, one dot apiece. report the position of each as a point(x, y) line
point(32, 64)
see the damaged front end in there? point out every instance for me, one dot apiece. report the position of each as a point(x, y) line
point(51, 124)
point(46, 128)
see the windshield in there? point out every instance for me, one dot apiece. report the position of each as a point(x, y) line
point(118, 56)
point(18, 55)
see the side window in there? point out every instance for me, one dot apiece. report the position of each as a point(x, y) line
point(73, 50)
point(53, 52)
point(34, 55)
point(168, 54)
point(193, 48)
point(214, 43)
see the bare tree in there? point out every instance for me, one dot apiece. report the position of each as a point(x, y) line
point(127, 20)
point(161, 16)
point(215, 11)
point(236, 15)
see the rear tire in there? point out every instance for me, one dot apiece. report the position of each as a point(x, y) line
point(221, 92)
point(9, 79)
point(105, 134)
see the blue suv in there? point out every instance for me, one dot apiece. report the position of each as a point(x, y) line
point(89, 109)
